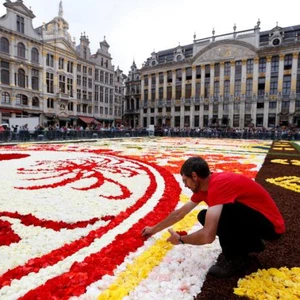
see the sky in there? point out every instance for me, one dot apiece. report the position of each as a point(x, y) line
point(136, 28)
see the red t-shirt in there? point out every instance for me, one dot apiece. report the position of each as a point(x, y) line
point(227, 187)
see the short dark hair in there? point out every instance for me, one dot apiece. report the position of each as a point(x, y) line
point(195, 164)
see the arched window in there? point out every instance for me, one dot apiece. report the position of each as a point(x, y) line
point(21, 99)
point(21, 78)
point(5, 98)
point(35, 102)
point(4, 45)
point(21, 50)
point(35, 55)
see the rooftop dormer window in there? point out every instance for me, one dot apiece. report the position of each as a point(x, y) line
point(20, 24)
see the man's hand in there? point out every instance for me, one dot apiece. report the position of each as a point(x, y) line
point(147, 231)
point(174, 237)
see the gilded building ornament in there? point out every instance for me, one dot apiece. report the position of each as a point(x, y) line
point(228, 52)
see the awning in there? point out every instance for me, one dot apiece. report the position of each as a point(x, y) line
point(64, 119)
point(88, 120)
point(7, 110)
point(49, 115)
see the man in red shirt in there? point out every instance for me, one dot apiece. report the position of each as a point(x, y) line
point(240, 212)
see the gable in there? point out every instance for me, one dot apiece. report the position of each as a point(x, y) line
point(224, 51)
point(62, 44)
point(20, 8)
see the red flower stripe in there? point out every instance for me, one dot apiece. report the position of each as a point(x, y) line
point(94, 267)
point(7, 235)
point(29, 219)
point(34, 265)
point(9, 156)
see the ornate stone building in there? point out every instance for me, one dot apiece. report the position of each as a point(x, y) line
point(45, 74)
point(243, 78)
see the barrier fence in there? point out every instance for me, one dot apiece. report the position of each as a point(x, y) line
point(41, 135)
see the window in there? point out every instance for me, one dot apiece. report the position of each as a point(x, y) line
point(188, 91)
point(50, 60)
point(286, 88)
point(216, 89)
point(5, 98)
point(153, 94)
point(20, 24)
point(97, 75)
point(169, 93)
point(227, 67)
point(261, 86)
point(35, 79)
point(275, 64)
point(90, 70)
point(70, 106)
point(160, 93)
point(21, 100)
point(5, 74)
point(161, 78)
point(288, 60)
point(101, 94)
point(79, 68)
point(259, 120)
point(198, 72)
point(285, 105)
point(84, 81)
point(226, 89)
point(262, 65)
point(207, 71)
point(70, 86)
point(79, 94)
point(249, 66)
point(35, 102)
point(153, 79)
point(273, 85)
point(206, 89)
point(34, 55)
point(217, 70)
point(178, 92)
point(238, 69)
point(21, 50)
point(169, 77)
point(4, 45)
point(84, 69)
point(70, 67)
point(178, 76)
point(21, 78)
point(61, 63)
point(271, 120)
point(198, 90)
point(236, 121)
point(298, 85)
point(50, 103)
point(272, 105)
point(49, 82)
point(188, 74)
point(237, 88)
point(62, 83)
point(249, 87)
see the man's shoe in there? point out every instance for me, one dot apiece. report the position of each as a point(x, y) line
point(225, 268)
point(258, 247)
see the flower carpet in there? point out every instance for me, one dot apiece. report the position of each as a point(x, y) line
point(71, 216)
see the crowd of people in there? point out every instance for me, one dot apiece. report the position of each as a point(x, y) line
point(57, 132)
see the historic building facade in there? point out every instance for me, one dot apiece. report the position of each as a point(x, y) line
point(244, 78)
point(45, 74)
point(131, 114)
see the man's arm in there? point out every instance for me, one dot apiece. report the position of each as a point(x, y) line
point(206, 235)
point(170, 220)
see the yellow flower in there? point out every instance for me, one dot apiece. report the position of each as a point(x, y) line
point(270, 284)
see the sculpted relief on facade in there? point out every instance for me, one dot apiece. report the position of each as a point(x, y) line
point(225, 52)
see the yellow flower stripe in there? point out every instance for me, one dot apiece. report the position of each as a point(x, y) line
point(140, 268)
point(288, 182)
point(271, 284)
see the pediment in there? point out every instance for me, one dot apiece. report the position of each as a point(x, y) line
point(225, 51)
point(20, 8)
point(62, 44)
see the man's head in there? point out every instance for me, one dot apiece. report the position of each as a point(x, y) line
point(194, 172)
